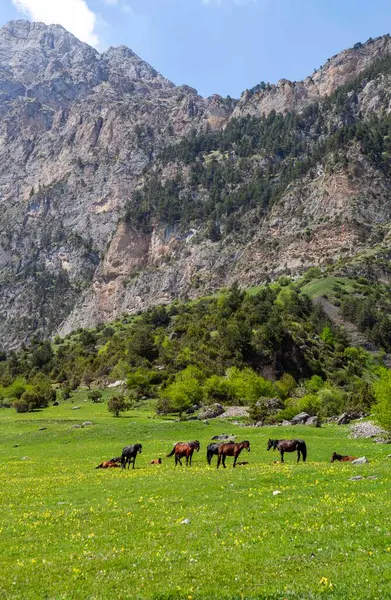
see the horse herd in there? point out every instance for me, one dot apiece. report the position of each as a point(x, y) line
point(221, 450)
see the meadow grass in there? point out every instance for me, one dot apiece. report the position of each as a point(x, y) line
point(69, 531)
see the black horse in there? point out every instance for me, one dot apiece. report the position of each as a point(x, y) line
point(212, 449)
point(129, 454)
point(289, 446)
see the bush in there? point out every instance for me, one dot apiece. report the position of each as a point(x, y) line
point(20, 405)
point(95, 396)
point(118, 404)
point(382, 407)
point(185, 391)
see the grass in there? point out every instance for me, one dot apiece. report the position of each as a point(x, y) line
point(321, 287)
point(69, 531)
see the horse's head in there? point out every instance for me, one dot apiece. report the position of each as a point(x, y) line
point(246, 444)
point(271, 444)
point(196, 445)
point(138, 448)
point(334, 457)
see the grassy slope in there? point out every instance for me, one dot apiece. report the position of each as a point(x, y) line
point(69, 531)
point(320, 287)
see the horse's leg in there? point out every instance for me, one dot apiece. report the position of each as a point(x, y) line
point(224, 457)
point(134, 460)
point(282, 455)
point(298, 455)
point(235, 459)
point(218, 460)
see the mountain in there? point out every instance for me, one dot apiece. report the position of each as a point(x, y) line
point(120, 190)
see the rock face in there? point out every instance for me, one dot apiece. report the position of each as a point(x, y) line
point(80, 132)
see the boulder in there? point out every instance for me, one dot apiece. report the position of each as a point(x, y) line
point(301, 418)
point(224, 437)
point(343, 419)
point(56, 403)
point(356, 478)
point(75, 407)
point(286, 423)
point(360, 461)
point(366, 429)
point(42, 429)
point(87, 423)
point(211, 412)
point(259, 424)
point(314, 421)
point(76, 427)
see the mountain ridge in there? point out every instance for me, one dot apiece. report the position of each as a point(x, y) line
point(81, 142)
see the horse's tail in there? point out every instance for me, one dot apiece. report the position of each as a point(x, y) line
point(303, 449)
point(171, 453)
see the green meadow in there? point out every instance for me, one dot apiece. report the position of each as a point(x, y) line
point(69, 531)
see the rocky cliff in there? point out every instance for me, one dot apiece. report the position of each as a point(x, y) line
point(83, 133)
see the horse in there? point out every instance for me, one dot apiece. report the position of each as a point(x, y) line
point(342, 458)
point(156, 461)
point(184, 449)
point(231, 449)
point(108, 464)
point(212, 449)
point(129, 454)
point(289, 446)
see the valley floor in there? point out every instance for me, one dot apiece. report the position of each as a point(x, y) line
point(71, 532)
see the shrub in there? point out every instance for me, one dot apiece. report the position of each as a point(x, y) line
point(20, 405)
point(118, 404)
point(382, 407)
point(185, 391)
point(95, 396)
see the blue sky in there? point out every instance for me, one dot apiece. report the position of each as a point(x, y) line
point(217, 46)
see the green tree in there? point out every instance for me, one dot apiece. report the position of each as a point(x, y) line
point(118, 404)
point(185, 391)
point(382, 406)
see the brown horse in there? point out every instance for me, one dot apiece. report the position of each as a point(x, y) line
point(108, 464)
point(282, 446)
point(231, 449)
point(342, 458)
point(184, 449)
point(156, 461)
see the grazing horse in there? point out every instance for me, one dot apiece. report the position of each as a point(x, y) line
point(342, 458)
point(231, 449)
point(289, 446)
point(184, 449)
point(212, 449)
point(108, 464)
point(156, 461)
point(129, 454)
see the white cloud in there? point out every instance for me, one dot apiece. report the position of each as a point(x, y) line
point(74, 15)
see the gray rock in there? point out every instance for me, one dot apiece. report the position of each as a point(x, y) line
point(366, 429)
point(185, 522)
point(224, 437)
point(42, 429)
point(25, 458)
point(360, 461)
point(87, 423)
point(301, 418)
point(372, 477)
point(211, 412)
point(314, 421)
point(356, 478)
point(343, 419)
point(286, 423)
point(76, 427)
point(75, 407)
point(259, 424)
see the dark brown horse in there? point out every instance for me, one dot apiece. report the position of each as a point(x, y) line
point(231, 449)
point(282, 446)
point(342, 458)
point(184, 450)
